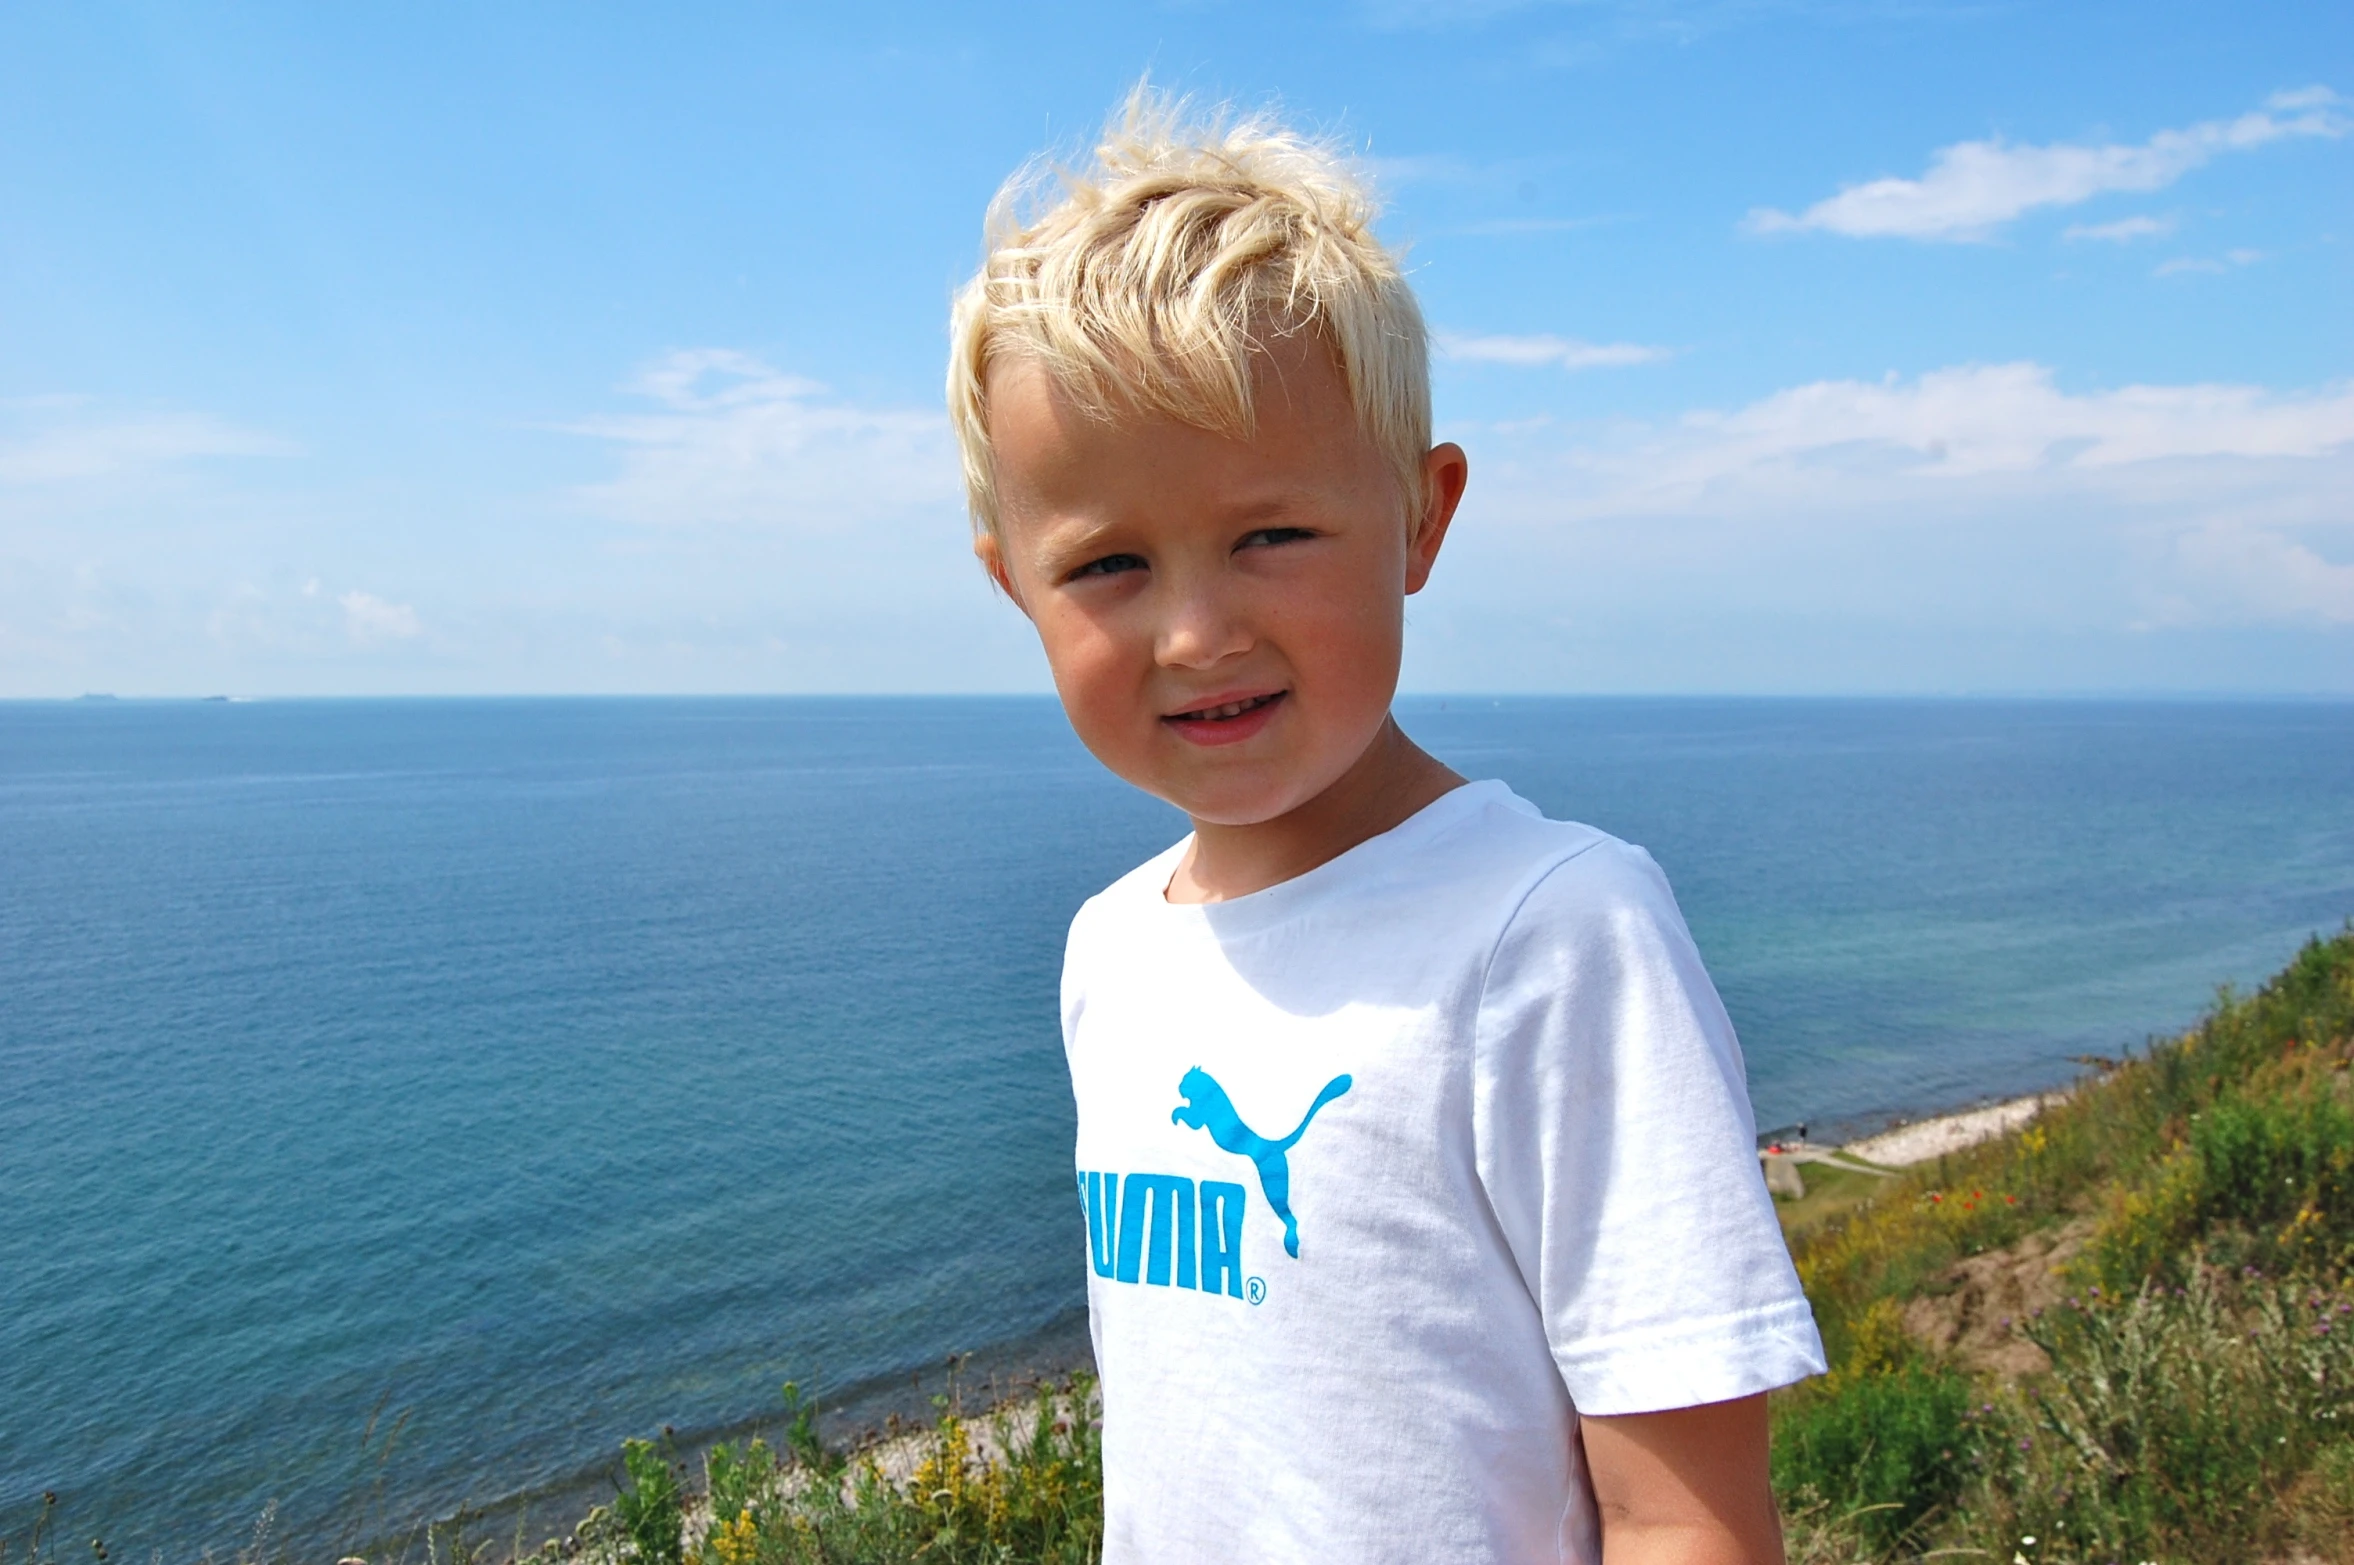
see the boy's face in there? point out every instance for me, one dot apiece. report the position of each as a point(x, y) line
point(1223, 617)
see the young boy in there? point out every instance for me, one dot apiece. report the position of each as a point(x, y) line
point(1420, 1181)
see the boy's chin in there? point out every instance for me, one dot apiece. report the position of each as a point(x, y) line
point(1238, 794)
point(1237, 807)
point(1231, 819)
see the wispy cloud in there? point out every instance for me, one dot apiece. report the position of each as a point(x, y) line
point(2161, 487)
point(72, 440)
point(1973, 188)
point(2187, 264)
point(1974, 420)
point(2278, 577)
point(1567, 353)
point(2122, 232)
point(1425, 168)
point(369, 620)
point(740, 443)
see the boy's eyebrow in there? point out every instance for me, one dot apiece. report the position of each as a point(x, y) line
point(1061, 544)
point(1260, 510)
point(1069, 540)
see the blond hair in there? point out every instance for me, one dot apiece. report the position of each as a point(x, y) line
point(1165, 267)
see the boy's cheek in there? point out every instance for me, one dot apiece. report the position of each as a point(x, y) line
point(1083, 652)
point(1105, 699)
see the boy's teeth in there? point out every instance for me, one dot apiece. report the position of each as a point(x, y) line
point(1230, 709)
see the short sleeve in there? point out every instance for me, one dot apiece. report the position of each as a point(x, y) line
point(1615, 1143)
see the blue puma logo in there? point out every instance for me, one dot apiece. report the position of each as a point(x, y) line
point(1206, 1107)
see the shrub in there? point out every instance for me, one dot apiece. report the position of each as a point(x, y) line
point(650, 1512)
point(738, 1482)
point(2322, 1508)
point(801, 1437)
point(2146, 1231)
point(2278, 1163)
point(1039, 1497)
point(1888, 1449)
point(2265, 1178)
point(2174, 1424)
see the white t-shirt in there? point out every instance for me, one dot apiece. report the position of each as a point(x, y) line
point(1393, 1169)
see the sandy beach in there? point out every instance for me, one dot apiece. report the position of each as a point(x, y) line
point(1919, 1142)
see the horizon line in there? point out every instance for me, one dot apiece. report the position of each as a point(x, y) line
point(1995, 693)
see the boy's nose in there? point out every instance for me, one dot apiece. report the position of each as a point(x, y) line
point(1199, 630)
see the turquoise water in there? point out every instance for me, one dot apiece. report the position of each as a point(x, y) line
point(550, 1071)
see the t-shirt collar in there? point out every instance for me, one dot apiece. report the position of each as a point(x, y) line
point(1289, 899)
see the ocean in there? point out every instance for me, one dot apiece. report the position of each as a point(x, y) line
point(405, 1100)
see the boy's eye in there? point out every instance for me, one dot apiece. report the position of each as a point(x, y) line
point(1268, 535)
point(1109, 565)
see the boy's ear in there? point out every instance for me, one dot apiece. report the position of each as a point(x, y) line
point(1445, 471)
point(991, 554)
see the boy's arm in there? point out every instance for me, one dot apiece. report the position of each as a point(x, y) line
point(1685, 1487)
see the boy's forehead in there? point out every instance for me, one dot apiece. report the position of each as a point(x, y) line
point(1292, 369)
point(1045, 434)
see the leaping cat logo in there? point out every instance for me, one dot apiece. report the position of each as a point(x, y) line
point(1206, 1107)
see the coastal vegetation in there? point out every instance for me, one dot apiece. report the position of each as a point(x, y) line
point(1023, 1483)
point(2123, 1333)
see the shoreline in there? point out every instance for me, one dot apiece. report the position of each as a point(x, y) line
point(884, 1410)
point(1920, 1141)
point(863, 1415)
point(1905, 1143)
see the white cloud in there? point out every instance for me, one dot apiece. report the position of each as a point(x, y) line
point(2010, 418)
point(2122, 232)
point(1974, 187)
point(70, 449)
point(2204, 503)
point(369, 620)
point(1567, 352)
point(2278, 577)
point(741, 443)
point(2183, 264)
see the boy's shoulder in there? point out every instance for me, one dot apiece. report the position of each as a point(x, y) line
point(1470, 862)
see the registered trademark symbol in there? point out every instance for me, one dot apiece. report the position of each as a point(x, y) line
point(1255, 1290)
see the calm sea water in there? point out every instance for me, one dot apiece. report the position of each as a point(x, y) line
point(552, 1071)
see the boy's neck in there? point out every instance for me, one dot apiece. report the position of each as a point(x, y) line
point(1392, 781)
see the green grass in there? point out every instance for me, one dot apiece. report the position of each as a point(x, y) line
point(1831, 1191)
point(1037, 1497)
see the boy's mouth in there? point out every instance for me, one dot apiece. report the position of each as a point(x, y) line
point(1226, 710)
point(1225, 722)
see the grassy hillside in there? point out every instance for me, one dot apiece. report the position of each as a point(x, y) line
point(2125, 1333)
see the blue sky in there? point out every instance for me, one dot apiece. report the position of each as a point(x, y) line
point(1799, 347)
